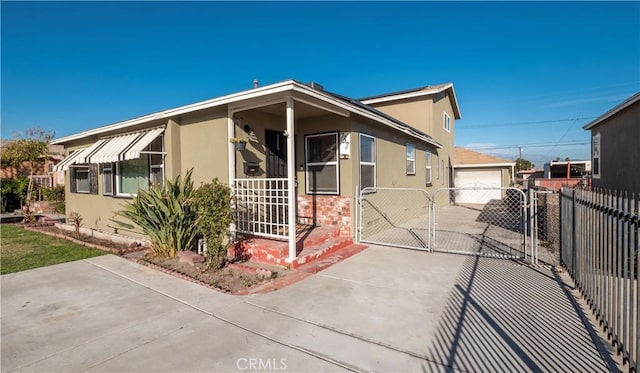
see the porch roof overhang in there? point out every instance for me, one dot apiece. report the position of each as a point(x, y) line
point(264, 96)
point(112, 149)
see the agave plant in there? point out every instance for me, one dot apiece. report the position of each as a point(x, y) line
point(166, 215)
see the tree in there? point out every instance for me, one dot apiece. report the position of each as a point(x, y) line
point(28, 147)
point(523, 164)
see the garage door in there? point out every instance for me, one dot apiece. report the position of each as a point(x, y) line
point(478, 179)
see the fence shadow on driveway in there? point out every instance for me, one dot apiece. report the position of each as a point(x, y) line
point(503, 316)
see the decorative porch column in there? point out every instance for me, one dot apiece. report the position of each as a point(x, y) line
point(231, 154)
point(291, 180)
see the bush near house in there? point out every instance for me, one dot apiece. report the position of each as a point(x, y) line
point(14, 192)
point(175, 215)
point(166, 214)
point(55, 195)
point(213, 204)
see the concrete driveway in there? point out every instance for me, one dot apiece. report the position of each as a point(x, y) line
point(384, 309)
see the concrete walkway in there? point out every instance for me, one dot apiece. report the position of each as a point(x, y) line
point(384, 309)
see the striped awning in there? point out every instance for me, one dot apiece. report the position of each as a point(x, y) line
point(69, 160)
point(113, 149)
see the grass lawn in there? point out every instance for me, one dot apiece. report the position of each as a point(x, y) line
point(21, 249)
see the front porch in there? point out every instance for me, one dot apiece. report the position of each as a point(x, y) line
point(322, 224)
point(289, 209)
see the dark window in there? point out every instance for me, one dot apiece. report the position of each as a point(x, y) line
point(322, 163)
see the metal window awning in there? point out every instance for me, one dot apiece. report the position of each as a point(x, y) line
point(124, 147)
point(86, 154)
point(112, 149)
point(71, 159)
point(138, 147)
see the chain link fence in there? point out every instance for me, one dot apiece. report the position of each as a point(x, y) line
point(482, 221)
point(395, 217)
point(547, 223)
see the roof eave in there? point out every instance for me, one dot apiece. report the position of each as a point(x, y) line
point(420, 93)
point(616, 109)
point(287, 85)
point(481, 165)
point(219, 101)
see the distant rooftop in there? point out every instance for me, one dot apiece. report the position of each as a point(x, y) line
point(466, 157)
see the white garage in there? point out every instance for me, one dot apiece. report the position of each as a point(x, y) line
point(477, 170)
point(477, 179)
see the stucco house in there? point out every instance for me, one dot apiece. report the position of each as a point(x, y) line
point(308, 153)
point(614, 147)
point(475, 169)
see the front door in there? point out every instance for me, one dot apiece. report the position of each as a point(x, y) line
point(276, 146)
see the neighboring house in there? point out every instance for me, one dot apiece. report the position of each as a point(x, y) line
point(615, 152)
point(308, 151)
point(529, 174)
point(559, 174)
point(478, 170)
point(44, 173)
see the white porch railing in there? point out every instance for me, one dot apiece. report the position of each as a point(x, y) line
point(261, 207)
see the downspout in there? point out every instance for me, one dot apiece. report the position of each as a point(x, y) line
point(291, 179)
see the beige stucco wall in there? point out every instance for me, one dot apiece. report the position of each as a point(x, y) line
point(323, 124)
point(255, 151)
point(442, 104)
point(415, 111)
point(197, 141)
point(204, 145)
point(426, 114)
point(173, 148)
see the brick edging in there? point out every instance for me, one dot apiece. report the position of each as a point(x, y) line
point(87, 244)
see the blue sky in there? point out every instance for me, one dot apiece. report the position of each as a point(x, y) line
point(523, 72)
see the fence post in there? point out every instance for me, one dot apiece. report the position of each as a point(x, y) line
point(573, 231)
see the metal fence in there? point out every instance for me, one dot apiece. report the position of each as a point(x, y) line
point(261, 207)
point(485, 221)
point(395, 217)
point(599, 248)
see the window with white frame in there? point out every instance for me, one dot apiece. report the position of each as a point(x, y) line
point(80, 179)
point(367, 161)
point(595, 156)
point(446, 122)
point(322, 167)
point(141, 173)
point(427, 159)
point(411, 159)
point(107, 179)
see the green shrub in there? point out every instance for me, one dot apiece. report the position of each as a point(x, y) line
point(55, 195)
point(213, 205)
point(166, 215)
point(14, 192)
